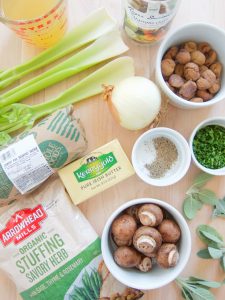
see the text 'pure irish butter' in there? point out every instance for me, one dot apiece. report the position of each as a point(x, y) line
point(97, 171)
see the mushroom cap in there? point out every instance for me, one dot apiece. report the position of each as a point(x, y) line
point(150, 215)
point(123, 229)
point(133, 212)
point(147, 240)
point(170, 231)
point(127, 257)
point(167, 255)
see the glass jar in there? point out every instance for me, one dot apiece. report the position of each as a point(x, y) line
point(147, 21)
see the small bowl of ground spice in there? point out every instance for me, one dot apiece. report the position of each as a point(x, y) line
point(161, 156)
point(207, 143)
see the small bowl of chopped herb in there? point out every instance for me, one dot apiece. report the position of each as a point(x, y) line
point(161, 156)
point(207, 143)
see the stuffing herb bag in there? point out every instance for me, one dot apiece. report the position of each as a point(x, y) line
point(36, 154)
point(45, 242)
point(50, 251)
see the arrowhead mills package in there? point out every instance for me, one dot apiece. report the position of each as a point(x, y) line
point(50, 250)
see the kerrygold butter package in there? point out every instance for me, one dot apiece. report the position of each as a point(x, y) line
point(97, 171)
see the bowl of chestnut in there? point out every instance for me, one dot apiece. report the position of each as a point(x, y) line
point(146, 243)
point(189, 66)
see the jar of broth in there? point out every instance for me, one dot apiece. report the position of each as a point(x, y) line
point(147, 21)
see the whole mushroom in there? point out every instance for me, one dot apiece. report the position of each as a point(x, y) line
point(150, 215)
point(123, 229)
point(128, 257)
point(167, 256)
point(169, 231)
point(147, 240)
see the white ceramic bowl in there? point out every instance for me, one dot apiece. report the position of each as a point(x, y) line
point(158, 277)
point(212, 121)
point(198, 32)
point(141, 156)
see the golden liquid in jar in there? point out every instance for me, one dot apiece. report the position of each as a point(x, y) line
point(26, 9)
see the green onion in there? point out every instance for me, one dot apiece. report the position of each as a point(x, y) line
point(96, 25)
point(17, 116)
point(105, 47)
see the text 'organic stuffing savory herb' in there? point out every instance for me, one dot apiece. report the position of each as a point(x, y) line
point(209, 146)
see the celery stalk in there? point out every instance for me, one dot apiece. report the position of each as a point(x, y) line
point(97, 24)
point(105, 47)
point(17, 116)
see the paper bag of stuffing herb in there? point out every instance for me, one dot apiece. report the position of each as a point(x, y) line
point(36, 154)
point(50, 251)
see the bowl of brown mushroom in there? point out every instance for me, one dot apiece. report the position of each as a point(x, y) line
point(189, 66)
point(146, 243)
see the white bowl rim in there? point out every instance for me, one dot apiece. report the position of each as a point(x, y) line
point(177, 135)
point(176, 214)
point(196, 129)
point(159, 58)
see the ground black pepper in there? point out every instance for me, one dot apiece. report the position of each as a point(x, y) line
point(166, 156)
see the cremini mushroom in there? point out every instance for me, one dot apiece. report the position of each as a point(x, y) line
point(127, 257)
point(133, 212)
point(145, 265)
point(167, 256)
point(123, 229)
point(147, 240)
point(169, 231)
point(150, 215)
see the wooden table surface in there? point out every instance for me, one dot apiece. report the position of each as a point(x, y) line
point(101, 128)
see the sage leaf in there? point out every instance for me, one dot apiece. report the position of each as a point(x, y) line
point(212, 237)
point(208, 197)
point(222, 263)
point(202, 179)
point(186, 295)
point(215, 253)
point(204, 253)
point(190, 207)
point(206, 283)
point(209, 236)
point(194, 288)
point(219, 210)
point(199, 293)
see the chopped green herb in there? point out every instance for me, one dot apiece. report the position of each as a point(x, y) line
point(209, 146)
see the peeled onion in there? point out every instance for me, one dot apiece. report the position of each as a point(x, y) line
point(134, 102)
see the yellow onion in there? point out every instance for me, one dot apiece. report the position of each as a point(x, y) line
point(134, 102)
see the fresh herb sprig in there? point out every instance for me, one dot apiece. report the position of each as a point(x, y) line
point(194, 288)
point(215, 244)
point(91, 287)
point(197, 195)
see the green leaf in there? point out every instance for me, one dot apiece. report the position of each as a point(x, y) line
point(215, 253)
point(205, 283)
point(219, 210)
point(204, 253)
point(207, 233)
point(202, 179)
point(222, 263)
point(212, 237)
point(186, 294)
point(199, 293)
point(190, 207)
point(208, 197)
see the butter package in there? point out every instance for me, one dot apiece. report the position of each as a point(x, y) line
point(97, 171)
